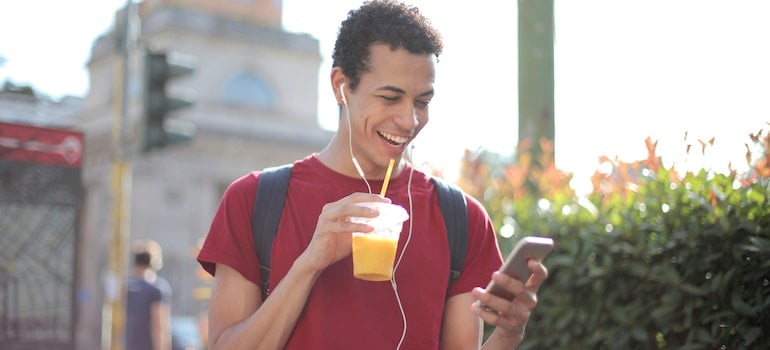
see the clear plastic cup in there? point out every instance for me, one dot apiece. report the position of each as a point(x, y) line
point(375, 252)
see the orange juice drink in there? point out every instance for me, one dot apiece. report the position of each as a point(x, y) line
point(375, 252)
point(373, 257)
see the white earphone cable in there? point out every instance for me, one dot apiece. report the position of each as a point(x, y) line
point(350, 139)
point(403, 251)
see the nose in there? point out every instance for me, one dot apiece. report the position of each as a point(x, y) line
point(407, 117)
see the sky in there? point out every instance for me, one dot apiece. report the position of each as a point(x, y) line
point(624, 70)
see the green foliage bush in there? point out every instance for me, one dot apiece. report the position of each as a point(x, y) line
point(650, 260)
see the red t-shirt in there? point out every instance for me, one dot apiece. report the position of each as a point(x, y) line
point(343, 312)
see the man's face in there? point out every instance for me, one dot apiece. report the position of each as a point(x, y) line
point(390, 105)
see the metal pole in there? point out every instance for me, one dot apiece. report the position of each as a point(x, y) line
point(121, 189)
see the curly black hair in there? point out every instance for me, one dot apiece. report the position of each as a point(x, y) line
point(382, 22)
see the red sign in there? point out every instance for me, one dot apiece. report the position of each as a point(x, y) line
point(34, 144)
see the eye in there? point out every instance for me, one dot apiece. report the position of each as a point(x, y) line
point(423, 103)
point(389, 98)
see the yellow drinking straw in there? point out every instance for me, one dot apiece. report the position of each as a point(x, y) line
point(387, 178)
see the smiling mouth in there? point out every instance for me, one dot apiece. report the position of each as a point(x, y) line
point(392, 139)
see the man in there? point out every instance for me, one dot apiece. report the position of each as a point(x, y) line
point(382, 75)
point(148, 316)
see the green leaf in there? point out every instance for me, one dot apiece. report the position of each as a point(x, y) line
point(694, 290)
point(751, 335)
point(740, 306)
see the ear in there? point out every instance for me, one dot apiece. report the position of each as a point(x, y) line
point(337, 80)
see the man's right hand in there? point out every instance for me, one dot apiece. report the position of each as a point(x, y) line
point(333, 233)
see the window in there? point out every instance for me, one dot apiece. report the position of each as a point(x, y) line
point(246, 89)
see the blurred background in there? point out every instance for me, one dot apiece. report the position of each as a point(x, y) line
point(256, 92)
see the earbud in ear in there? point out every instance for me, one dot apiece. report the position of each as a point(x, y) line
point(342, 92)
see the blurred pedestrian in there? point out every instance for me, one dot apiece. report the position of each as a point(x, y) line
point(148, 300)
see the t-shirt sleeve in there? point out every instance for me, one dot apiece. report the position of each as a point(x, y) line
point(229, 240)
point(165, 289)
point(156, 294)
point(483, 255)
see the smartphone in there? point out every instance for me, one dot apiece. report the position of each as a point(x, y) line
point(515, 265)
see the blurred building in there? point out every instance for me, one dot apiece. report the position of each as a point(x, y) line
point(28, 108)
point(255, 106)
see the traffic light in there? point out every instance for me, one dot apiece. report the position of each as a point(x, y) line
point(159, 130)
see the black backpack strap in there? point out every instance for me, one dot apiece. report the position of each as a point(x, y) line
point(268, 206)
point(452, 203)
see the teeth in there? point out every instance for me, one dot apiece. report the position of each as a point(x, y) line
point(395, 139)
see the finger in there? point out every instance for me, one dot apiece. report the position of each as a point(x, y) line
point(341, 218)
point(539, 275)
point(511, 319)
point(359, 197)
point(527, 299)
point(488, 315)
point(347, 225)
point(521, 295)
point(509, 283)
point(336, 223)
point(345, 208)
point(342, 210)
